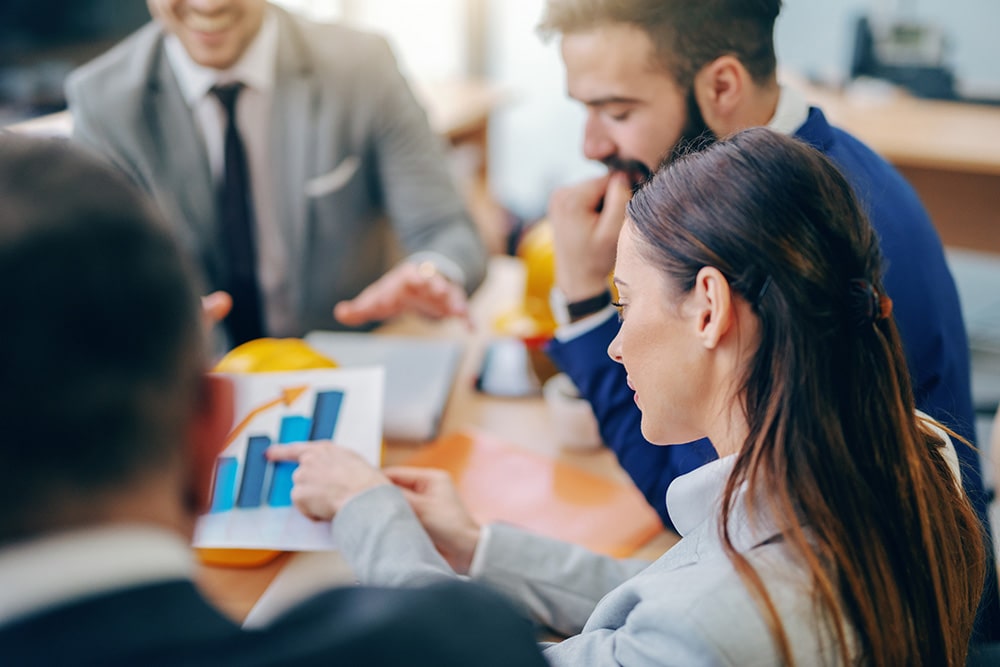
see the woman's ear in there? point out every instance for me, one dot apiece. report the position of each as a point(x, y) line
point(721, 89)
point(212, 421)
point(713, 298)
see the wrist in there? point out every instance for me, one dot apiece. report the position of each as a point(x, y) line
point(566, 311)
point(464, 554)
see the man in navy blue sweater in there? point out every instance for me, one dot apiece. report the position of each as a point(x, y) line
point(659, 75)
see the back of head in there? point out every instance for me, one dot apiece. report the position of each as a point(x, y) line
point(833, 437)
point(686, 34)
point(101, 342)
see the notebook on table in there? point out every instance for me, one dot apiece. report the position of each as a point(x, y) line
point(419, 374)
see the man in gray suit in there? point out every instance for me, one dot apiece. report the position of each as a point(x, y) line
point(339, 172)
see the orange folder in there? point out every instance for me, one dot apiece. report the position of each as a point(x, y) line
point(503, 482)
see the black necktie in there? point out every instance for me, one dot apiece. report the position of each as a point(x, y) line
point(245, 321)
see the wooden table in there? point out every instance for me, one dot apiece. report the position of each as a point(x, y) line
point(523, 421)
point(948, 151)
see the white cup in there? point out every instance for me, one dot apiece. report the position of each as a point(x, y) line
point(575, 424)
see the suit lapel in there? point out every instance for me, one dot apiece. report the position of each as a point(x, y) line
point(294, 118)
point(182, 164)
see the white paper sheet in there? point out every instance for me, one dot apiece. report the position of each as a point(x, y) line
point(250, 503)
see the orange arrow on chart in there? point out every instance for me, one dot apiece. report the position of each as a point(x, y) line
point(288, 396)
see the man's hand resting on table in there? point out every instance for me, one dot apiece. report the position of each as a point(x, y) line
point(328, 476)
point(409, 287)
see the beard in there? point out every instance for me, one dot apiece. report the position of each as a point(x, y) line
point(636, 171)
point(695, 136)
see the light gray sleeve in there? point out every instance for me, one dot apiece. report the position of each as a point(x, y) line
point(650, 637)
point(423, 203)
point(559, 583)
point(384, 543)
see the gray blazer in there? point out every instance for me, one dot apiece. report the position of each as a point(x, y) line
point(338, 93)
point(689, 607)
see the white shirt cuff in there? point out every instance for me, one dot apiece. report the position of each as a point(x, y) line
point(568, 332)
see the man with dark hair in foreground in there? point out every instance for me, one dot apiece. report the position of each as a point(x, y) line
point(112, 428)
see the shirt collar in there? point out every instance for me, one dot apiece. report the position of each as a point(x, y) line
point(56, 569)
point(255, 69)
point(791, 113)
point(695, 499)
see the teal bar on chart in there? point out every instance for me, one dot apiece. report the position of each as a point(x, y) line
point(224, 488)
point(293, 429)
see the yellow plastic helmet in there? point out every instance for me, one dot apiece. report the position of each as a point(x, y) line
point(532, 318)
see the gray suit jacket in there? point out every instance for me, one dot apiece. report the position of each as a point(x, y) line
point(689, 607)
point(338, 94)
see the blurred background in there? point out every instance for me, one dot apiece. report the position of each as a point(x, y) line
point(942, 48)
point(919, 80)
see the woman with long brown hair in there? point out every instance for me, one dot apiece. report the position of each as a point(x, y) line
point(832, 530)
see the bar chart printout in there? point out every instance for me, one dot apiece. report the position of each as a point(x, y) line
point(251, 496)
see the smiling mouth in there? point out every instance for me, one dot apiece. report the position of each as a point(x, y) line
point(209, 24)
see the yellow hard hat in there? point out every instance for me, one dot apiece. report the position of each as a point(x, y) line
point(532, 318)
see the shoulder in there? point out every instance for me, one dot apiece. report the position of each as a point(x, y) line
point(706, 608)
point(119, 72)
point(452, 623)
point(332, 46)
point(877, 183)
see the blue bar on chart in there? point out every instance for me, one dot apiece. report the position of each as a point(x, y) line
point(254, 471)
point(325, 414)
point(225, 484)
point(293, 429)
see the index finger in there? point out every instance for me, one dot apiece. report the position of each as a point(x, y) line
point(292, 452)
point(412, 477)
point(216, 306)
point(615, 202)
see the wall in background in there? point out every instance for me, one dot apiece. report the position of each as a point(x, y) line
point(971, 26)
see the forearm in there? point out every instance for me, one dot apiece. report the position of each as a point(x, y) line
point(384, 543)
point(558, 583)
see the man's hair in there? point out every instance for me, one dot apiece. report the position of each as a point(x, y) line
point(834, 446)
point(101, 345)
point(686, 34)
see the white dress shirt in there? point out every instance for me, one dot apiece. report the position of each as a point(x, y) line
point(256, 71)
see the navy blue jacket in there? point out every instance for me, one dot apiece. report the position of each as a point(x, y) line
point(925, 304)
